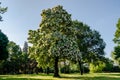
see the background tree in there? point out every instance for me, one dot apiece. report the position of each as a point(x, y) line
point(17, 62)
point(54, 39)
point(14, 57)
point(28, 65)
point(90, 43)
point(117, 33)
point(25, 47)
point(3, 38)
point(3, 46)
point(2, 11)
point(116, 52)
point(108, 62)
point(25, 56)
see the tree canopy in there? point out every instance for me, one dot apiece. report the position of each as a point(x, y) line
point(59, 37)
point(117, 33)
point(14, 50)
point(2, 11)
point(3, 38)
point(90, 43)
point(25, 47)
point(116, 52)
point(54, 38)
point(3, 46)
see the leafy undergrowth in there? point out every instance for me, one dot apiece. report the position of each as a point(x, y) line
point(94, 76)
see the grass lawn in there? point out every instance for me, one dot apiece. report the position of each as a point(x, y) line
point(94, 76)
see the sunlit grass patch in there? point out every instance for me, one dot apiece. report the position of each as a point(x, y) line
point(77, 76)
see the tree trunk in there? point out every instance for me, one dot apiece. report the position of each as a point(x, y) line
point(80, 66)
point(64, 66)
point(56, 70)
point(47, 70)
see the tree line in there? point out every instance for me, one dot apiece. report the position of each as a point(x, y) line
point(56, 45)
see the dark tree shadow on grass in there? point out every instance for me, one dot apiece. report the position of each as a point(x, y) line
point(104, 77)
point(68, 78)
point(92, 78)
point(19, 79)
point(112, 74)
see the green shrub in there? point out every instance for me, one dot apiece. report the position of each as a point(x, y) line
point(97, 67)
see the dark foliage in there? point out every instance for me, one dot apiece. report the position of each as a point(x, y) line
point(3, 46)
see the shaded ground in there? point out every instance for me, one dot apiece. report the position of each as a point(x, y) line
point(95, 76)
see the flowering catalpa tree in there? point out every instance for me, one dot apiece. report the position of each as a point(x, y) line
point(54, 39)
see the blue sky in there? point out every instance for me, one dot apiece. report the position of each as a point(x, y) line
point(23, 15)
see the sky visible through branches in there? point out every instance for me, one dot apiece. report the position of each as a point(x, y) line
point(23, 15)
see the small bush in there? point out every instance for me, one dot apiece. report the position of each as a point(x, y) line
point(115, 69)
point(98, 67)
point(86, 70)
point(65, 69)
